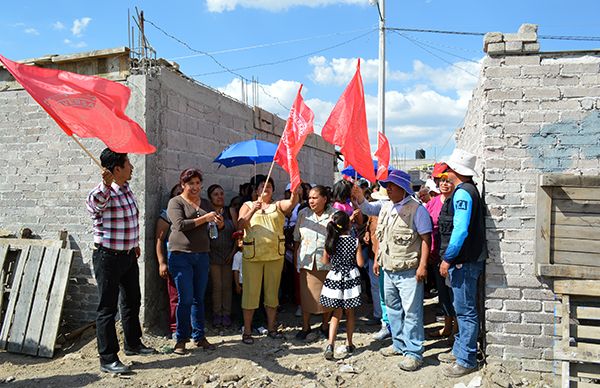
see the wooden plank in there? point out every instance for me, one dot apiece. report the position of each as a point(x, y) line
point(569, 180)
point(566, 335)
point(576, 206)
point(23, 310)
point(586, 332)
point(40, 302)
point(543, 216)
point(13, 297)
point(576, 219)
point(588, 371)
point(583, 384)
point(576, 193)
point(569, 271)
point(24, 242)
point(577, 287)
point(3, 255)
point(580, 352)
point(55, 303)
point(575, 258)
point(576, 245)
point(582, 312)
point(572, 231)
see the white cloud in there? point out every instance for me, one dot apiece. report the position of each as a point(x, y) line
point(79, 25)
point(270, 97)
point(273, 5)
point(31, 31)
point(339, 71)
point(460, 76)
point(58, 26)
point(70, 43)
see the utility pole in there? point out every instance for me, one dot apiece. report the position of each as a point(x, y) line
point(381, 80)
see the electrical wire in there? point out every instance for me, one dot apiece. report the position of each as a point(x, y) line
point(288, 59)
point(448, 32)
point(264, 45)
point(422, 47)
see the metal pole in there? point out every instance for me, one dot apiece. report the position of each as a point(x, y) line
point(381, 81)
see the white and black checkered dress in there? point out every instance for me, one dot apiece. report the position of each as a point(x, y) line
point(342, 284)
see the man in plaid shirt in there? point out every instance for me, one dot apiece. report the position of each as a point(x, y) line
point(116, 238)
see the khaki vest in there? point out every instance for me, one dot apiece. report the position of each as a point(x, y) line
point(399, 244)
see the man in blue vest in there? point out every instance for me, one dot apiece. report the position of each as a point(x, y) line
point(462, 248)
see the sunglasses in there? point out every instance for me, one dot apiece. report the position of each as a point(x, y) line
point(444, 178)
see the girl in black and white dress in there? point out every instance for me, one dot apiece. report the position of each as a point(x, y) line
point(341, 289)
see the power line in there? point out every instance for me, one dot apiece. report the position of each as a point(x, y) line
point(448, 32)
point(264, 45)
point(289, 59)
point(216, 61)
point(422, 47)
point(437, 48)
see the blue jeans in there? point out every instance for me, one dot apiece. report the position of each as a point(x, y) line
point(464, 288)
point(374, 280)
point(190, 274)
point(404, 302)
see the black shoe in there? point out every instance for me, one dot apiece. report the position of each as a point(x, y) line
point(142, 350)
point(302, 334)
point(116, 367)
point(328, 354)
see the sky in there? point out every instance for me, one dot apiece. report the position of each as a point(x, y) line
point(285, 43)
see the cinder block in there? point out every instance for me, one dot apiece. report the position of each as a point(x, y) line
point(538, 317)
point(513, 47)
point(503, 293)
point(504, 94)
point(523, 305)
point(531, 47)
point(547, 93)
point(521, 352)
point(542, 70)
point(580, 91)
point(502, 71)
point(538, 365)
point(523, 328)
point(503, 339)
point(495, 48)
point(502, 316)
point(538, 294)
point(580, 68)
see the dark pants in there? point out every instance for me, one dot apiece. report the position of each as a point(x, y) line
point(445, 297)
point(117, 274)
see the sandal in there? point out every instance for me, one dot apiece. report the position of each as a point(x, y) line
point(247, 338)
point(275, 334)
point(302, 334)
point(204, 344)
point(180, 349)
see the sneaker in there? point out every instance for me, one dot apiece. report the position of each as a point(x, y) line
point(455, 370)
point(298, 312)
point(382, 334)
point(261, 330)
point(390, 351)
point(141, 350)
point(410, 364)
point(226, 321)
point(116, 367)
point(446, 358)
point(328, 352)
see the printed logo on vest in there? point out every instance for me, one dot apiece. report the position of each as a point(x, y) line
point(461, 204)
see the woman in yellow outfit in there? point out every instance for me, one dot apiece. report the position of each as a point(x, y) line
point(264, 247)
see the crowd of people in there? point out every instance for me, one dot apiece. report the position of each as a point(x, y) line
point(325, 241)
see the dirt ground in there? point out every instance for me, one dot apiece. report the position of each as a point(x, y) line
point(267, 363)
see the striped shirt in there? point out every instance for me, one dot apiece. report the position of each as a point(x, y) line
point(115, 215)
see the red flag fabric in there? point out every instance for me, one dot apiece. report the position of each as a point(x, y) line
point(299, 124)
point(346, 127)
point(84, 105)
point(383, 156)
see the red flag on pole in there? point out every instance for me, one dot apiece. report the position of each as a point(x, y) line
point(346, 127)
point(383, 156)
point(84, 105)
point(299, 125)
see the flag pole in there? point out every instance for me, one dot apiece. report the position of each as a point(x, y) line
point(87, 152)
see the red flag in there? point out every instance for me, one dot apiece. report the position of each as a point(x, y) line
point(299, 125)
point(346, 127)
point(383, 156)
point(85, 105)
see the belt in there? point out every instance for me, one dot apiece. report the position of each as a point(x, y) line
point(113, 252)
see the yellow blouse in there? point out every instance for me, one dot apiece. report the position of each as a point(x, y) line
point(264, 239)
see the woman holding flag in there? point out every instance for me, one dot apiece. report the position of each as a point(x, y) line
point(263, 250)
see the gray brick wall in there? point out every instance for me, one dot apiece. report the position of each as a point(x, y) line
point(45, 176)
point(530, 114)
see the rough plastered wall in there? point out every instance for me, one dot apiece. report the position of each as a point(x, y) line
point(531, 113)
point(191, 124)
point(45, 176)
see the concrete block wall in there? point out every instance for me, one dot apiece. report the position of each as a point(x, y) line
point(46, 177)
point(537, 113)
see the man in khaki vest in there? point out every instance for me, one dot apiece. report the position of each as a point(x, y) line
point(404, 235)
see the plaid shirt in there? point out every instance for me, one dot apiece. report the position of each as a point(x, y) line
point(115, 214)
